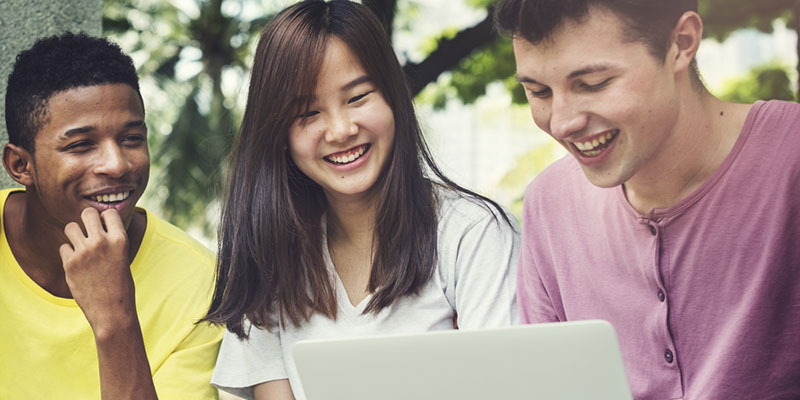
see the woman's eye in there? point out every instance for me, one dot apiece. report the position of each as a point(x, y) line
point(359, 97)
point(307, 114)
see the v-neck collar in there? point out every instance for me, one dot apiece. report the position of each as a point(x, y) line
point(342, 300)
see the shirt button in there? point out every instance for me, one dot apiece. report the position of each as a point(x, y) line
point(653, 230)
point(661, 295)
point(668, 356)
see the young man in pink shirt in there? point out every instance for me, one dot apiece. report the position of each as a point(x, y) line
point(676, 216)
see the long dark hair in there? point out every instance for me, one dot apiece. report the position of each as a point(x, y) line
point(270, 263)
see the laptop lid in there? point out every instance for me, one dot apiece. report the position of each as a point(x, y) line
point(568, 360)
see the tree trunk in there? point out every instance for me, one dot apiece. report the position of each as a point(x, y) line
point(450, 52)
point(385, 10)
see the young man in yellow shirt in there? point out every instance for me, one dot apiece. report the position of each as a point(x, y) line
point(98, 298)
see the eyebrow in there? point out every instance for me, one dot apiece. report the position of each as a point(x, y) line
point(589, 69)
point(524, 79)
point(83, 129)
point(572, 75)
point(355, 82)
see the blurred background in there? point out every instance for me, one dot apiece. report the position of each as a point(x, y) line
point(193, 57)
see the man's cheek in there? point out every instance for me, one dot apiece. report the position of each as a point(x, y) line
point(541, 120)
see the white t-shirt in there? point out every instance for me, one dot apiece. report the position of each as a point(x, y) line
point(475, 278)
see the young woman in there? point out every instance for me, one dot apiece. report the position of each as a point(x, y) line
point(331, 227)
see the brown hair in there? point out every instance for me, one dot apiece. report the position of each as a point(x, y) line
point(648, 21)
point(270, 260)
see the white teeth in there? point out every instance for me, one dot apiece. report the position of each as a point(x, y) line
point(588, 147)
point(348, 158)
point(107, 198)
point(583, 146)
point(592, 153)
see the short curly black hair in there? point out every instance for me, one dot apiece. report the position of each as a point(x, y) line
point(55, 64)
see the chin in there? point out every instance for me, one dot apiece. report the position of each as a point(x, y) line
point(602, 180)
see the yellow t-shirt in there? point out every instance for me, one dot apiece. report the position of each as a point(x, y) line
point(47, 349)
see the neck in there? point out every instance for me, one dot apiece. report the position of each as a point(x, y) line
point(705, 132)
point(351, 221)
point(36, 239)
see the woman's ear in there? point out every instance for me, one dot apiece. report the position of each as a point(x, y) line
point(18, 162)
point(686, 39)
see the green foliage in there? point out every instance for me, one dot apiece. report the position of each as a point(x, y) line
point(480, 3)
point(526, 167)
point(430, 44)
point(190, 117)
point(493, 63)
point(721, 17)
point(764, 82)
point(468, 81)
point(196, 169)
point(407, 13)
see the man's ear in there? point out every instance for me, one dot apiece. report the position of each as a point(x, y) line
point(686, 39)
point(18, 162)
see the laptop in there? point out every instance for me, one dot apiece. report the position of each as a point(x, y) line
point(566, 360)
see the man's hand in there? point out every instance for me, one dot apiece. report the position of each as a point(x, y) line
point(97, 269)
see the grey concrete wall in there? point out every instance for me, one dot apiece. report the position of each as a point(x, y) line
point(22, 22)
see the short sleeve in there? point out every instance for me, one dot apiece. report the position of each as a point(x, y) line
point(485, 270)
point(243, 364)
point(535, 305)
point(186, 373)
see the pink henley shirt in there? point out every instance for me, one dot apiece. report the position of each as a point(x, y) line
point(704, 295)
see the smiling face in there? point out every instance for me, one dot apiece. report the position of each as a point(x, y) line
point(344, 139)
point(92, 152)
point(607, 100)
